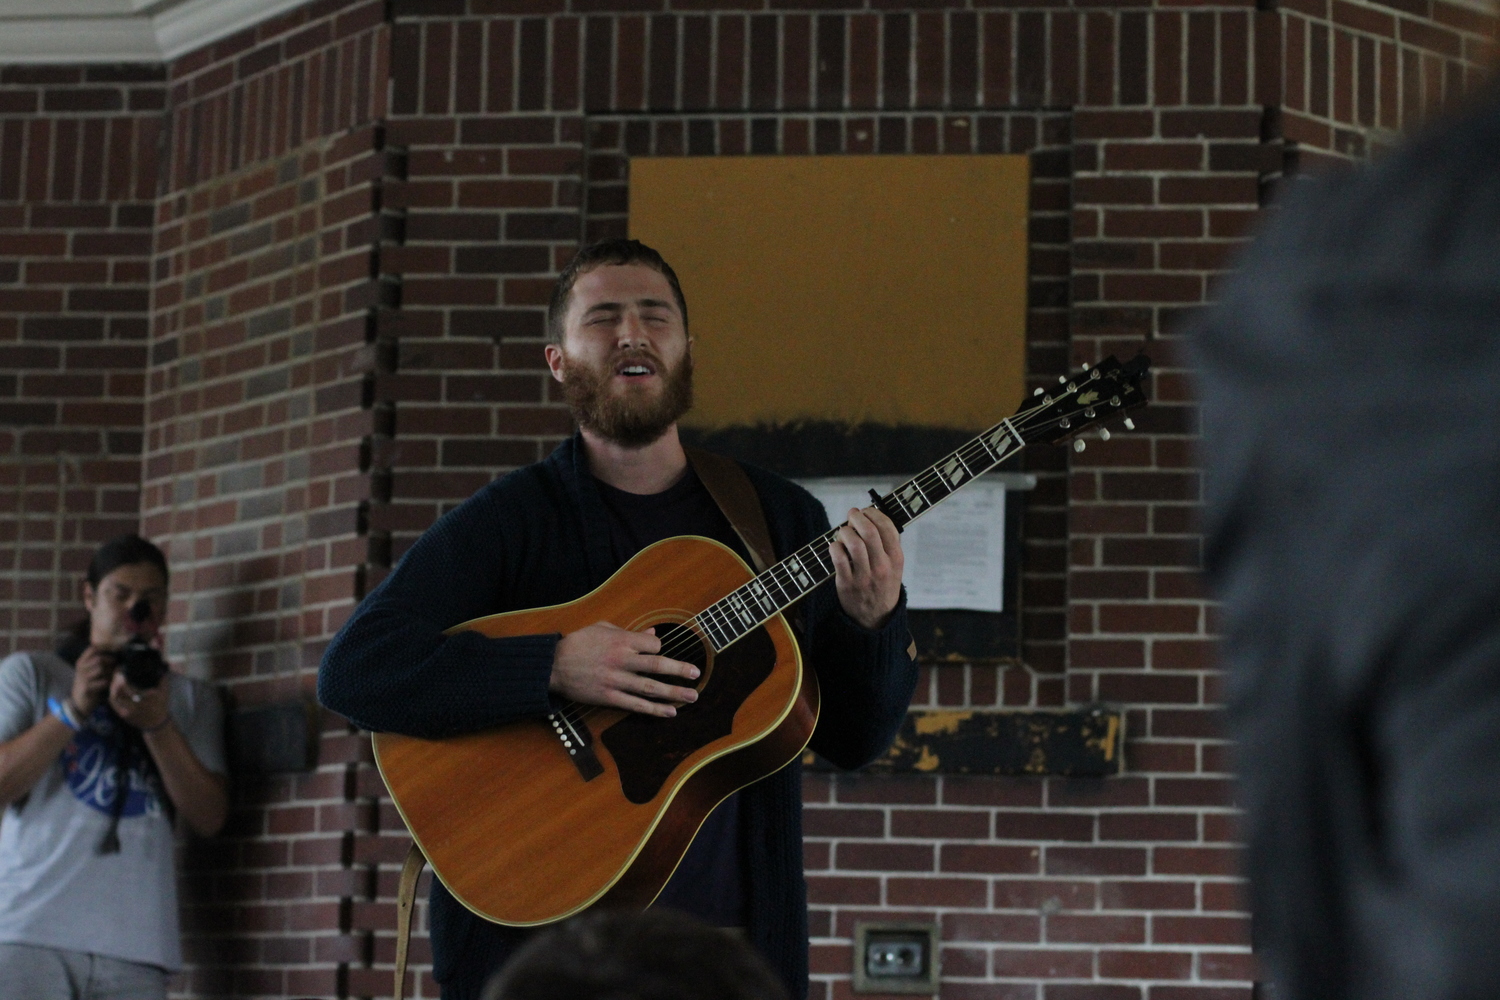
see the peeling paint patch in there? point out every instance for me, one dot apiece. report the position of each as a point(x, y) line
point(1082, 744)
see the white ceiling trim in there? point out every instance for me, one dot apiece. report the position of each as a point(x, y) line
point(111, 31)
point(106, 31)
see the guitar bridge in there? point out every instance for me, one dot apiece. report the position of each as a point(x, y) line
point(578, 741)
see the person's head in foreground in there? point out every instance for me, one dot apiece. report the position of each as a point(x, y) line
point(655, 955)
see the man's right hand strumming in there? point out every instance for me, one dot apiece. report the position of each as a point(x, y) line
point(604, 664)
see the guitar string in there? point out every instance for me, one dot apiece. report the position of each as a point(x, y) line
point(687, 640)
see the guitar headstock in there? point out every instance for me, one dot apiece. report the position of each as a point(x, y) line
point(1083, 400)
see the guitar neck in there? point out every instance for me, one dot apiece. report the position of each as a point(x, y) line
point(1087, 398)
point(782, 585)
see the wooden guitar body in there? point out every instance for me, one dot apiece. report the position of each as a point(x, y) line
point(534, 836)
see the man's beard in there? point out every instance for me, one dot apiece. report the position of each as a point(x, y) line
point(632, 419)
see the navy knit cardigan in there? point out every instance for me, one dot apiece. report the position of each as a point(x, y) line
point(538, 537)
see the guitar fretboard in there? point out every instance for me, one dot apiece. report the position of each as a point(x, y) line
point(782, 585)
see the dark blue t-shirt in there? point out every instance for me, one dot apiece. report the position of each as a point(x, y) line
point(709, 883)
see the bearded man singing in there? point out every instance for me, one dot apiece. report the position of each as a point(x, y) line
point(554, 531)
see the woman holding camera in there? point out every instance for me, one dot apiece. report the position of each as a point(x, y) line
point(101, 747)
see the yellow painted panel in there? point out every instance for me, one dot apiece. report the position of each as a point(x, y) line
point(887, 289)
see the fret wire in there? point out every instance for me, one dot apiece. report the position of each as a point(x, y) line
point(819, 551)
point(770, 575)
point(707, 628)
point(742, 606)
point(818, 555)
point(751, 595)
point(789, 579)
point(738, 609)
point(1014, 434)
point(984, 442)
point(715, 627)
point(720, 622)
point(728, 617)
point(788, 583)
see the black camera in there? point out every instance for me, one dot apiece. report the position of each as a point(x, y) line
point(138, 660)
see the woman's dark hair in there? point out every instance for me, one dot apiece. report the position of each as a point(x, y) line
point(125, 550)
point(618, 252)
point(655, 955)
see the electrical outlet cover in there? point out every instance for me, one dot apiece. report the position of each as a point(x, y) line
point(896, 957)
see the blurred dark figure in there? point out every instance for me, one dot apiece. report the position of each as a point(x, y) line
point(1351, 425)
point(656, 955)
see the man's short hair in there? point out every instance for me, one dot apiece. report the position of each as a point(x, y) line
point(607, 252)
point(655, 955)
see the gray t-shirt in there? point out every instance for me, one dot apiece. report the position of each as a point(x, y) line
point(56, 889)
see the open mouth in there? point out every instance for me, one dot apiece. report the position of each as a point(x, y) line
point(635, 369)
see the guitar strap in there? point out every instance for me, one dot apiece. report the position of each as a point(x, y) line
point(732, 490)
point(406, 898)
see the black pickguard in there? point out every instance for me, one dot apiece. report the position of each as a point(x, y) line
point(646, 748)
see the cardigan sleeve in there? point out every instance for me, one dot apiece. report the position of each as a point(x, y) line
point(392, 669)
point(866, 677)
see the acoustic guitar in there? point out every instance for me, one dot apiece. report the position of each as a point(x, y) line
point(539, 819)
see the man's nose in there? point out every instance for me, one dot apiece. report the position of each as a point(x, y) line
point(632, 332)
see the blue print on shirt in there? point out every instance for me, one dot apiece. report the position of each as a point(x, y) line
point(90, 764)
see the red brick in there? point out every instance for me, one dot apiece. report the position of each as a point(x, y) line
point(842, 890)
point(1200, 930)
point(1223, 896)
point(1071, 991)
point(962, 892)
point(1145, 964)
point(989, 859)
point(887, 790)
point(823, 822)
point(991, 927)
point(1152, 618)
point(1194, 792)
point(1227, 965)
point(1095, 861)
point(1104, 653)
point(855, 856)
point(1081, 928)
point(1049, 963)
point(1012, 792)
point(1147, 894)
point(947, 824)
point(1035, 894)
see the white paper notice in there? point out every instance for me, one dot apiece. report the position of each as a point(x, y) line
point(955, 553)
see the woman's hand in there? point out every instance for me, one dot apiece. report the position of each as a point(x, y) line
point(91, 679)
point(146, 710)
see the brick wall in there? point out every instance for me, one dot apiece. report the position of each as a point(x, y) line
point(257, 440)
point(358, 211)
point(78, 151)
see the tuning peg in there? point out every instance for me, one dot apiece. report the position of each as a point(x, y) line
point(1078, 444)
point(1085, 366)
point(1061, 379)
point(1104, 434)
point(1129, 424)
point(1038, 391)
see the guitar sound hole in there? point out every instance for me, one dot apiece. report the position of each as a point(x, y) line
point(678, 642)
